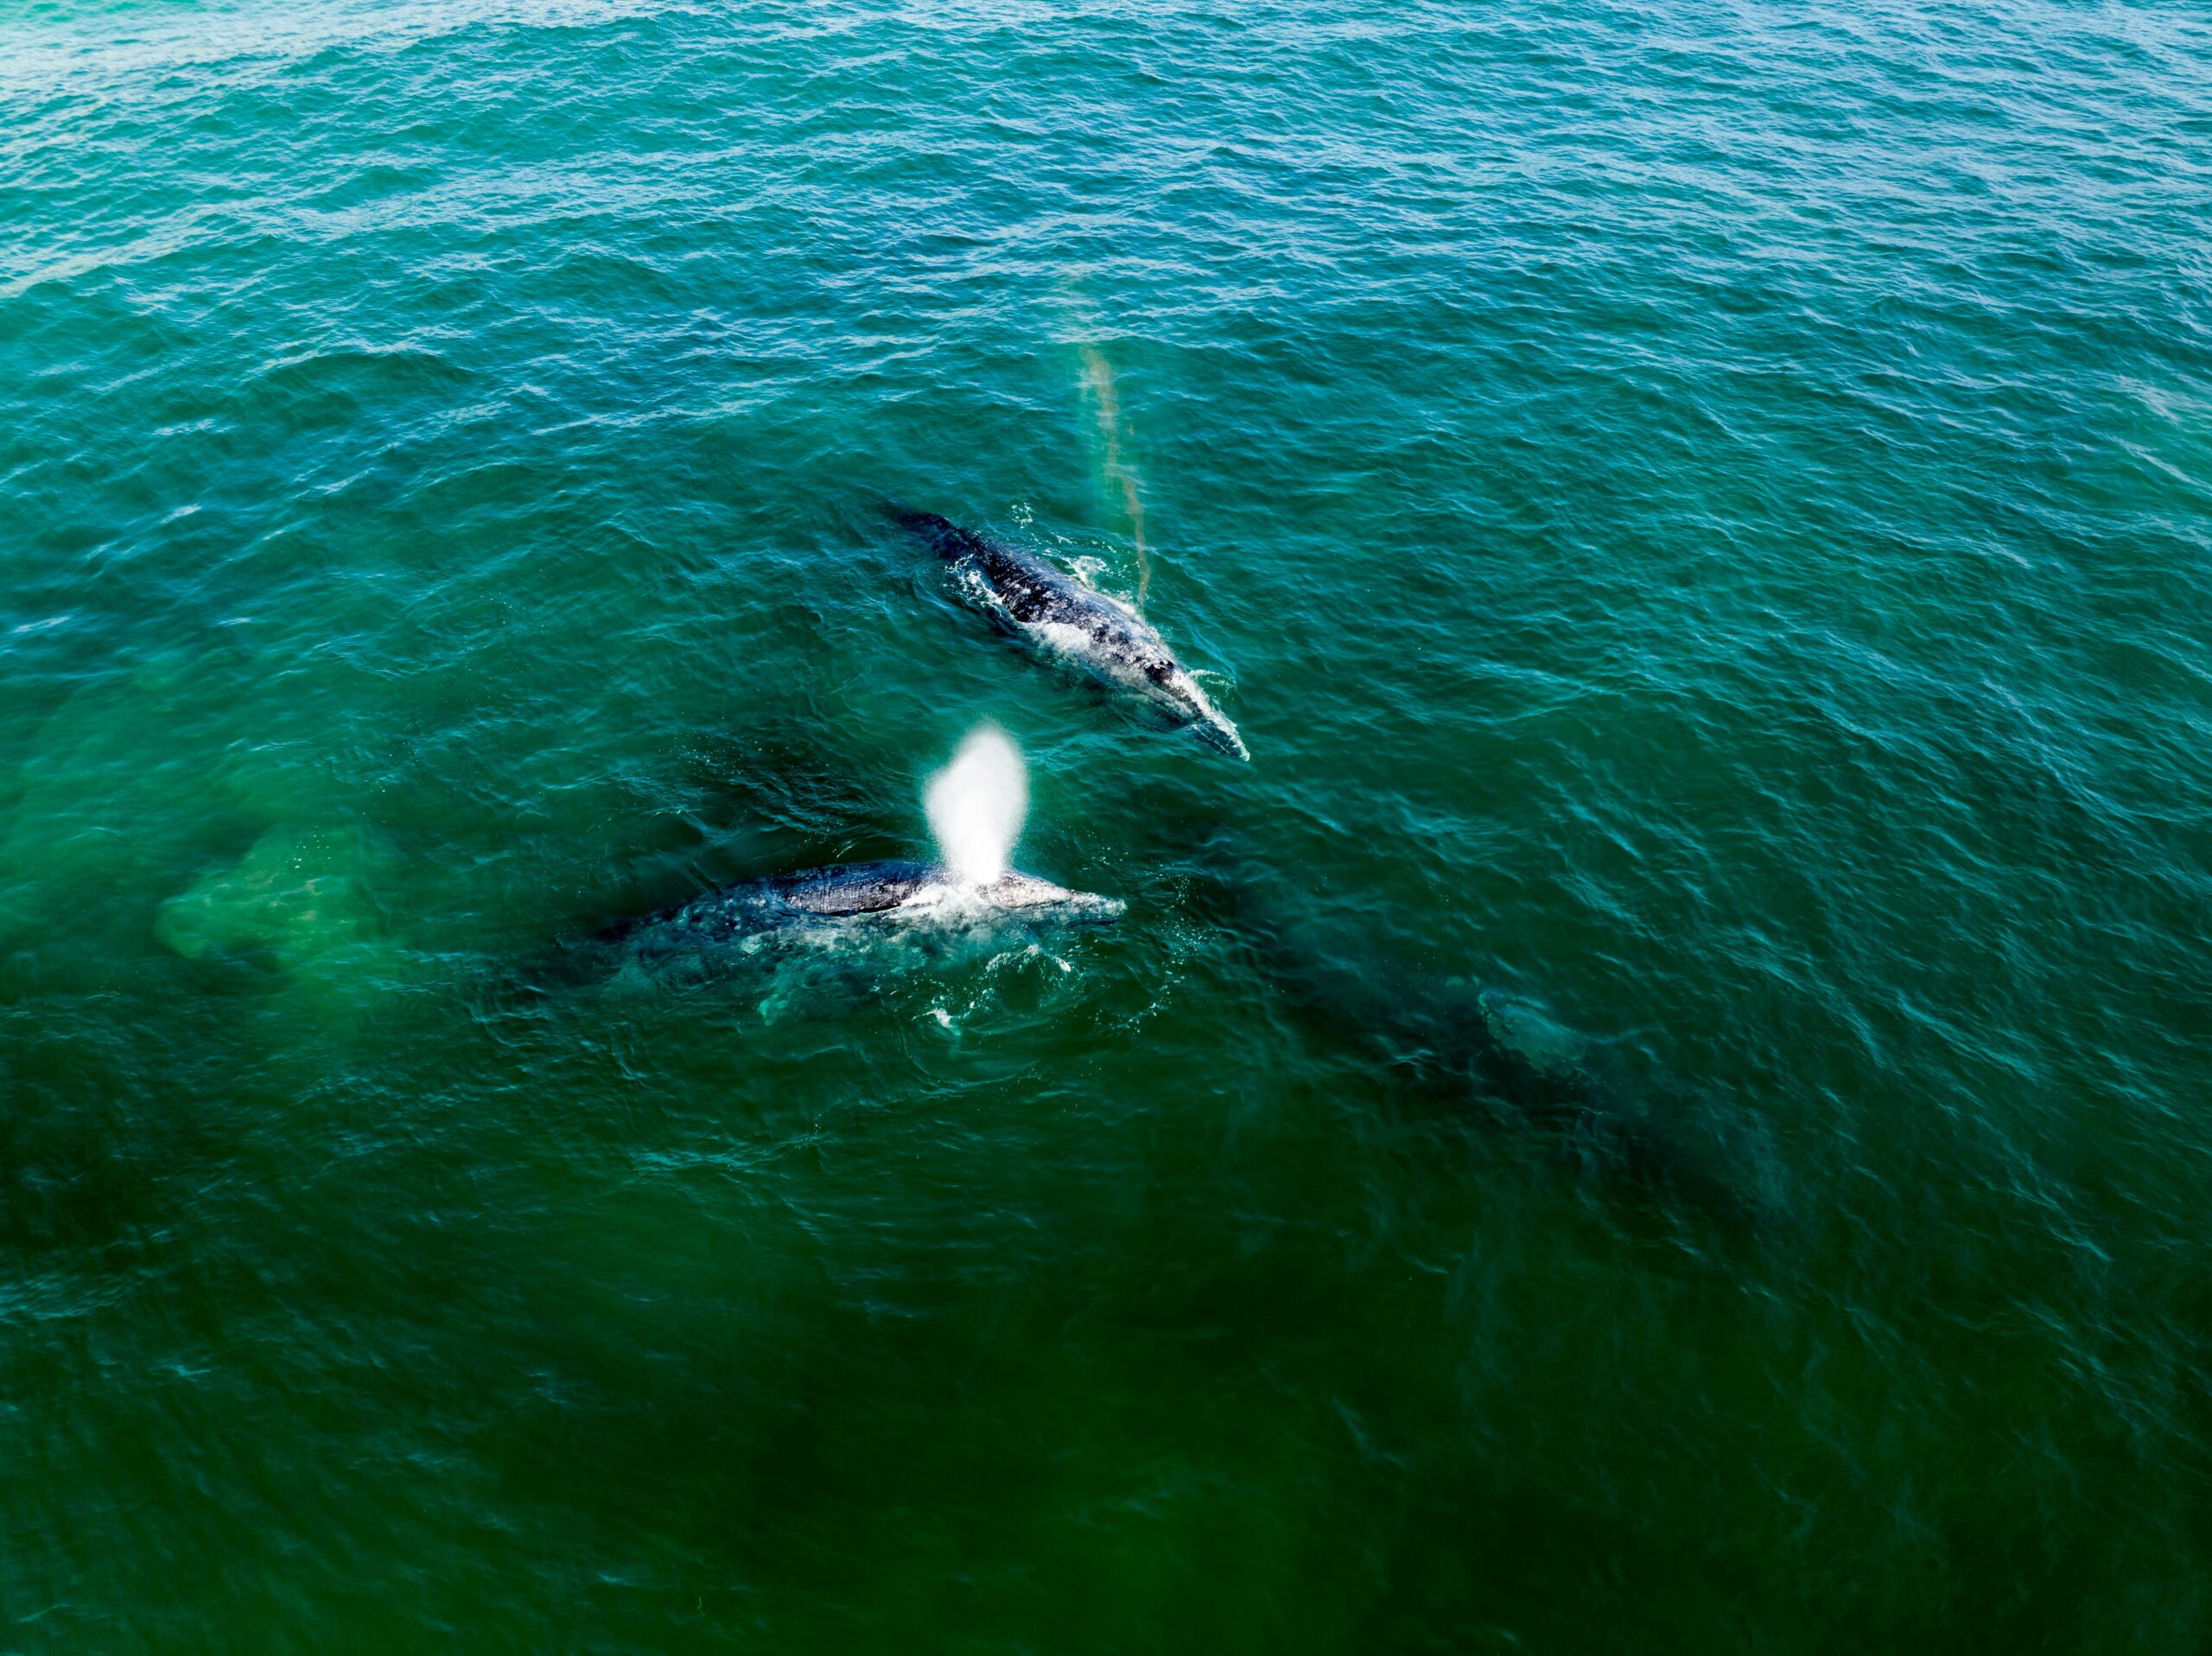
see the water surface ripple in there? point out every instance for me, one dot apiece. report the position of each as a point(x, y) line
point(1665, 1108)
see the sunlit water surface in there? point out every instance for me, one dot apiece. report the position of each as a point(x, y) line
point(1701, 513)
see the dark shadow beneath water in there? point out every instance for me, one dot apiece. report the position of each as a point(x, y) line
point(1502, 1063)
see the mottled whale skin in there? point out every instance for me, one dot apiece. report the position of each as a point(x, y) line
point(1061, 616)
point(848, 897)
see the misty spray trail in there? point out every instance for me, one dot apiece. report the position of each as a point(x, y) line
point(1119, 472)
point(976, 805)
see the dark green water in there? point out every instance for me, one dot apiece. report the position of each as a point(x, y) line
point(1703, 513)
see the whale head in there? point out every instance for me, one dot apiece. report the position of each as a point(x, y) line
point(1172, 687)
point(1217, 732)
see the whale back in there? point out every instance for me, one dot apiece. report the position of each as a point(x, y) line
point(850, 889)
point(1028, 586)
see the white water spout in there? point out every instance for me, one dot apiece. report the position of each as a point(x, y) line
point(976, 805)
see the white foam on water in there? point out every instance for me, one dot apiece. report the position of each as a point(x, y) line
point(976, 805)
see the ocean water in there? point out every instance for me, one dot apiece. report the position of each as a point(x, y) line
point(1666, 1108)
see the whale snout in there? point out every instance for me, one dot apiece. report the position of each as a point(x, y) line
point(1219, 734)
point(1208, 723)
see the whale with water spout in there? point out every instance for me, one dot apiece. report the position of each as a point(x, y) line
point(852, 899)
point(1059, 616)
point(976, 805)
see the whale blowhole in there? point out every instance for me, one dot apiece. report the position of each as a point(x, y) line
point(976, 805)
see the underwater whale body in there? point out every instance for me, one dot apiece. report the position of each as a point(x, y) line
point(853, 899)
point(1061, 617)
point(1488, 1054)
point(1493, 1058)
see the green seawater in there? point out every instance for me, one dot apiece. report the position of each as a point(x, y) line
point(1665, 1109)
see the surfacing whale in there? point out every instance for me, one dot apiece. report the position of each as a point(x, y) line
point(850, 900)
point(1060, 616)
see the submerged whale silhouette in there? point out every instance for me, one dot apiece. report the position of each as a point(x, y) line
point(1060, 616)
point(1487, 1056)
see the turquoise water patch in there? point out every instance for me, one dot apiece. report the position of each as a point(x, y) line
point(1661, 1110)
point(297, 896)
